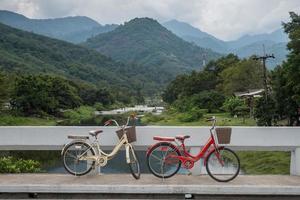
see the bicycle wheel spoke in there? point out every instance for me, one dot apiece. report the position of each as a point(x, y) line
point(71, 158)
point(156, 157)
point(223, 166)
point(158, 161)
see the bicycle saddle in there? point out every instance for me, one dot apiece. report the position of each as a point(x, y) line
point(160, 138)
point(95, 132)
point(182, 137)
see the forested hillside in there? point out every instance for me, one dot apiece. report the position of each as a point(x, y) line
point(24, 52)
point(145, 42)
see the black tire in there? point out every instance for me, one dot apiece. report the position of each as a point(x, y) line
point(67, 157)
point(152, 162)
point(134, 164)
point(231, 163)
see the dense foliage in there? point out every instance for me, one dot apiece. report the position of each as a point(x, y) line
point(284, 100)
point(18, 165)
point(43, 94)
point(287, 91)
point(212, 88)
point(3, 89)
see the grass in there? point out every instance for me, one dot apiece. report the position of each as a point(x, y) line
point(265, 162)
point(171, 119)
point(10, 120)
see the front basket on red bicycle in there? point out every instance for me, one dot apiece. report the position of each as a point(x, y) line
point(223, 135)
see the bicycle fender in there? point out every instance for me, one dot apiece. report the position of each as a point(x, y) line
point(74, 141)
point(159, 143)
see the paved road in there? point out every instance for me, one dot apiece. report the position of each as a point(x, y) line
point(114, 185)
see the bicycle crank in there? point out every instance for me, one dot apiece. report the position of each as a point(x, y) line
point(102, 161)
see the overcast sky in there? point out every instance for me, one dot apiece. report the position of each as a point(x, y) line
point(225, 19)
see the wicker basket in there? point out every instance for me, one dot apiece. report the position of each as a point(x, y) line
point(223, 135)
point(129, 131)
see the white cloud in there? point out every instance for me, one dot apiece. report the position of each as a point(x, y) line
point(226, 19)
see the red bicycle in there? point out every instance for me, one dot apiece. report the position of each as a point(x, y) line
point(164, 159)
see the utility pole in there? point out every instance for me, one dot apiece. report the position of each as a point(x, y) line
point(264, 58)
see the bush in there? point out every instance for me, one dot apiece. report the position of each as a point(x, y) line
point(210, 100)
point(190, 116)
point(231, 104)
point(84, 115)
point(99, 106)
point(149, 117)
point(264, 111)
point(12, 165)
point(43, 94)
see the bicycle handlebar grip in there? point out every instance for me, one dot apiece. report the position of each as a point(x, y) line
point(209, 119)
point(108, 122)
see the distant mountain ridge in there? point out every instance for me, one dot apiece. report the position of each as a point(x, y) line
point(79, 28)
point(73, 29)
point(247, 45)
point(146, 42)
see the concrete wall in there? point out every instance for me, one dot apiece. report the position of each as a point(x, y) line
point(243, 138)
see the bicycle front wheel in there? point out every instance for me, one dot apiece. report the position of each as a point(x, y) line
point(223, 165)
point(134, 164)
point(75, 158)
point(162, 160)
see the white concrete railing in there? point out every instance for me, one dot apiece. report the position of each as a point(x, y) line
point(243, 138)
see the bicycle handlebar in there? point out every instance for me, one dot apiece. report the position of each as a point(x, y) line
point(213, 119)
point(110, 121)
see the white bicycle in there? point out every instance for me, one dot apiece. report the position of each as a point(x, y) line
point(81, 155)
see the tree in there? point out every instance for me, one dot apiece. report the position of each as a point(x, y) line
point(284, 104)
point(243, 75)
point(188, 85)
point(210, 100)
point(3, 89)
point(265, 111)
point(232, 103)
point(43, 94)
point(291, 69)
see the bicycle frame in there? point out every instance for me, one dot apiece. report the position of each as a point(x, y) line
point(210, 145)
point(116, 149)
point(101, 156)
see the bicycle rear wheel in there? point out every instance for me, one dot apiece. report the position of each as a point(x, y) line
point(73, 158)
point(162, 160)
point(223, 165)
point(134, 164)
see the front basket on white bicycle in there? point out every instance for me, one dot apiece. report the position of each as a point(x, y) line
point(129, 131)
point(223, 135)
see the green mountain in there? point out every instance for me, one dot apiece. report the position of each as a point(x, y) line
point(73, 29)
point(145, 42)
point(24, 52)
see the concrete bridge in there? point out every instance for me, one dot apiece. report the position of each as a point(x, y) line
point(243, 138)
